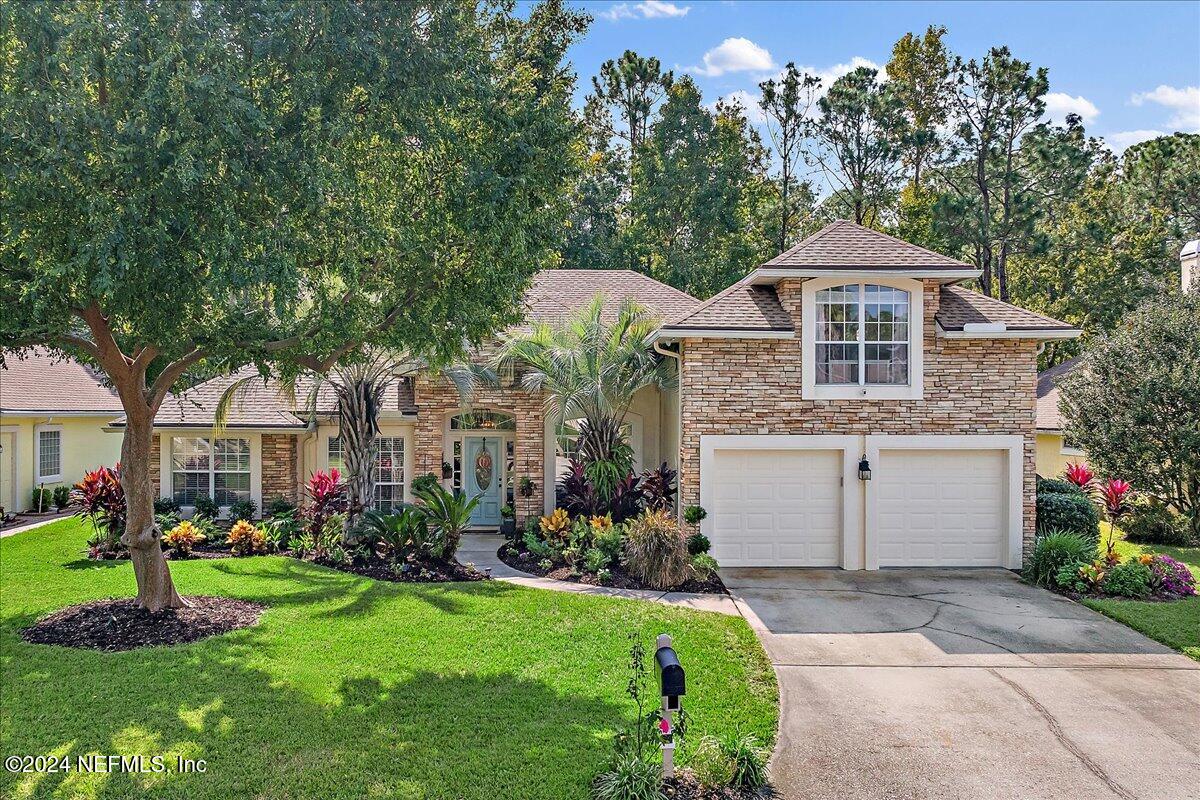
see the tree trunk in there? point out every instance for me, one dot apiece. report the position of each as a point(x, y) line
point(358, 409)
point(156, 591)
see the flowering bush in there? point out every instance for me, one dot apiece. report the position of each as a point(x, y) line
point(327, 496)
point(245, 539)
point(100, 498)
point(1080, 475)
point(1169, 577)
point(183, 537)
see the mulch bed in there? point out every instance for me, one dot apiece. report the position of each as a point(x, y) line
point(383, 570)
point(621, 579)
point(116, 625)
point(684, 786)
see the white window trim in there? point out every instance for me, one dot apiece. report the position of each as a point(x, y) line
point(852, 547)
point(165, 463)
point(393, 431)
point(915, 390)
point(1013, 445)
point(38, 430)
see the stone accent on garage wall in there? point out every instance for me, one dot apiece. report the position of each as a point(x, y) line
point(753, 386)
point(279, 467)
point(437, 400)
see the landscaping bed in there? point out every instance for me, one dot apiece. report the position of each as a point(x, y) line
point(618, 578)
point(116, 625)
point(383, 569)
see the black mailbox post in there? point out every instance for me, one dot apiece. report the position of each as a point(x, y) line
point(670, 676)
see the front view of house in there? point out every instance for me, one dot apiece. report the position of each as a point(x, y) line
point(847, 404)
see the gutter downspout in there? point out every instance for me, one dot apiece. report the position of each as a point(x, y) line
point(678, 356)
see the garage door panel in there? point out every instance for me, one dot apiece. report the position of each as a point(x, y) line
point(940, 507)
point(777, 507)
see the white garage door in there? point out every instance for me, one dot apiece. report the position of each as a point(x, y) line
point(943, 508)
point(779, 508)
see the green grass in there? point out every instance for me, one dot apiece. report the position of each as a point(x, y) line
point(1174, 624)
point(349, 687)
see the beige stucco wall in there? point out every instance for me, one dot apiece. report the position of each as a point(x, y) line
point(753, 386)
point(1051, 459)
point(85, 446)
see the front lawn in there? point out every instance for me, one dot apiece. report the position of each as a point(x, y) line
point(349, 687)
point(1174, 624)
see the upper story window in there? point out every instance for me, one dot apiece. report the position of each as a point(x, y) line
point(862, 335)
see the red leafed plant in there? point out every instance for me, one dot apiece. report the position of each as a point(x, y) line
point(327, 496)
point(1115, 494)
point(1080, 475)
point(100, 498)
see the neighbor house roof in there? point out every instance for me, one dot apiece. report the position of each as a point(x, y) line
point(1049, 418)
point(844, 245)
point(44, 382)
point(745, 306)
point(556, 293)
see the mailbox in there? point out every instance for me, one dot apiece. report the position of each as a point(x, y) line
point(670, 676)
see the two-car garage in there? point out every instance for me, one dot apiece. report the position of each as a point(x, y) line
point(800, 501)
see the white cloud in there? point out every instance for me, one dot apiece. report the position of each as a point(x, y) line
point(1059, 104)
point(747, 101)
point(1123, 139)
point(735, 54)
point(1185, 103)
point(831, 74)
point(648, 9)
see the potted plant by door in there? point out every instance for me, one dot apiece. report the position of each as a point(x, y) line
point(508, 521)
point(525, 487)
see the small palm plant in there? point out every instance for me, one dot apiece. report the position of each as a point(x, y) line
point(591, 366)
point(449, 513)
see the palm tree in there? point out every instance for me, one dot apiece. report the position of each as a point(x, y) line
point(358, 384)
point(590, 367)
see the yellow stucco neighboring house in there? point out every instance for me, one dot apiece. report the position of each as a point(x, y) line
point(54, 418)
point(1053, 450)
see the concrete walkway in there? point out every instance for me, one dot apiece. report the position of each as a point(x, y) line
point(480, 550)
point(966, 684)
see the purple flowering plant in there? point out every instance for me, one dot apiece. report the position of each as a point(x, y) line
point(1171, 577)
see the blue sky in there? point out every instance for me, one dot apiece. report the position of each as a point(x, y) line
point(1132, 70)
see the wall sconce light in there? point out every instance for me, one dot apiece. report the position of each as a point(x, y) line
point(864, 469)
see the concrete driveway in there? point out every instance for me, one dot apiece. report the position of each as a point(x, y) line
point(966, 684)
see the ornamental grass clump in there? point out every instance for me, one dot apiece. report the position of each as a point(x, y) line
point(655, 551)
point(1054, 550)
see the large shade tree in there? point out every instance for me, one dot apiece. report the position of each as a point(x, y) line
point(270, 183)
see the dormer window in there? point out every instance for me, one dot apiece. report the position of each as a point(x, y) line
point(862, 335)
point(862, 339)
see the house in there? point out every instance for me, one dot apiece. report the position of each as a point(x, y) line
point(850, 404)
point(1054, 452)
point(53, 415)
point(847, 404)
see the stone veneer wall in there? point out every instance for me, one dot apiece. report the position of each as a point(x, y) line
point(753, 386)
point(278, 467)
point(155, 463)
point(437, 399)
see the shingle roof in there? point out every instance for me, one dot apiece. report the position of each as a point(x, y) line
point(556, 293)
point(44, 382)
point(844, 245)
point(262, 405)
point(1048, 416)
point(742, 307)
point(961, 306)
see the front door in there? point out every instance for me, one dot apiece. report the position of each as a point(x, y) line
point(484, 477)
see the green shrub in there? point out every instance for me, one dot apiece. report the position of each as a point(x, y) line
point(405, 535)
point(692, 515)
point(166, 505)
point(282, 528)
point(242, 509)
point(631, 778)
point(1071, 512)
point(43, 499)
point(448, 514)
point(1053, 550)
point(1152, 522)
point(731, 760)
point(1056, 486)
point(205, 506)
point(538, 546)
point(698, 543)
point(62, 497)
point(655, 551)
point(704, 565)
point(1129, 579)
point(278, 506)
point(609, 541)
point(595, 559)
point(1078, 576)
point(423, 483)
